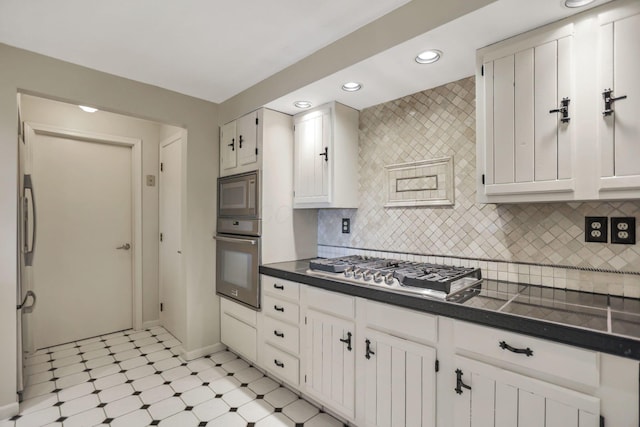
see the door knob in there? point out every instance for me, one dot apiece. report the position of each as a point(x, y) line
point(126, 247)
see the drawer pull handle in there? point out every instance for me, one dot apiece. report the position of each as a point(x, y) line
point(276, 308)
point(278, 334)
point(505, 346)
point(368, 352)
point(278, 363)
point(347, 341)
point(276, 286)
point(459, 384)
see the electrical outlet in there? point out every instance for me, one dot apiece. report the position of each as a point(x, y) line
point(623, 230)
point(596, 229)
point(346, 225)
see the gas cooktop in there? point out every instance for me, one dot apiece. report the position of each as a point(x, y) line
point(442, 282)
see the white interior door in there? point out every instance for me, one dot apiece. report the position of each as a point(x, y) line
point(171, 297)
point(82, 279)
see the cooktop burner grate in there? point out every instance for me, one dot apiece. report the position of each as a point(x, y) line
point(407, 273)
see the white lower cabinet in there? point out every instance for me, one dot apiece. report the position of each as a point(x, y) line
point(375, 364)
point(490, 396)
point(238, 329)
point(399, 382)
point(329, 352)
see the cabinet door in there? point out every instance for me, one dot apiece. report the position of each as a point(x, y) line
point(619, 125)
point(330, 362)
point(228, 147)
point(400, 382)
point(312, 139)
point(500, 398)
point(247, 134)
point(527, 145)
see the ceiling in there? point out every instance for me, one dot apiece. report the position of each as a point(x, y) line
point(214, 49)
point(209, 49)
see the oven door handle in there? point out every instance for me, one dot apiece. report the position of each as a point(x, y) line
point(234, 240)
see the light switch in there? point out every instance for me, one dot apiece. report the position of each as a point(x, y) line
point(151, 180)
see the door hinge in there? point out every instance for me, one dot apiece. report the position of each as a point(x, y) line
point(256, 151)
point(161, 237)
point(256, 121)
point(482, 70)
point(305, 320)
point(437, 365)
point(601, 421)
point(305, 378)
point(161, 167)
point(161, 307)
point(482, 179)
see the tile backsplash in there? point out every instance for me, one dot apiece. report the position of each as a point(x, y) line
point(440, 122)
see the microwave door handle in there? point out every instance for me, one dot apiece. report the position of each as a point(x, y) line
point(234, 240)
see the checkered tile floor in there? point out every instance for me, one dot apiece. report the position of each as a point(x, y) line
point(135, 378)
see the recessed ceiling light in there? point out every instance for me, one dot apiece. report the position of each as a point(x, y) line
point(302, 104)
point(428, 56)
point(88, 109)
point(351, 86)
point(577, 3)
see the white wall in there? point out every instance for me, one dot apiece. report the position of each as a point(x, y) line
point(69, 116)
point(36, 74)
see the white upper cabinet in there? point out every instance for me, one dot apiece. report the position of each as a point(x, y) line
point(239, 145)
point(527, 89)
point(619, 101)
point(557, 110)
point(326, 157)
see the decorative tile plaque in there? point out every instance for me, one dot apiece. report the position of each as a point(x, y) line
point(423, 183)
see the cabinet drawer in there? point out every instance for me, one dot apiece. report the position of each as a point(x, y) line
point(238, 336)
point(280, 309)
point(401, 322)
point(281, 364)
point(281, 288)
point(331, 302)
point(559, 360)
point(238, 311)
point(282, 335)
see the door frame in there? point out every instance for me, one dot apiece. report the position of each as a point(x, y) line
point(136, 191)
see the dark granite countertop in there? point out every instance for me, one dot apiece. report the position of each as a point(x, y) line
point(603, 323)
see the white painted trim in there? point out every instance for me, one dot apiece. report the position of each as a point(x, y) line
point(136, 190)
point(200, 352)
point(151, 323)
point(9, 410)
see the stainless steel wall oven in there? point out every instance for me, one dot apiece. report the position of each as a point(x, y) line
point(238, 239)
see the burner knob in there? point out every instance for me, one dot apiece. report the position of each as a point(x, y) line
point(367, 275)
point(348, 272)
point(378, 277)
point(388, 278)
point(357, 273)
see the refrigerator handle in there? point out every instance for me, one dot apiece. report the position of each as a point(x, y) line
point(29, 250)
point(26, 309)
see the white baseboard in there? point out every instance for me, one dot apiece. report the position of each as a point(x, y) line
point(199, 352)
point(150, 324)
point(8, 411)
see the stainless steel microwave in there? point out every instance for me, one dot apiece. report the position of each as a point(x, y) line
point(239, 196)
